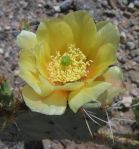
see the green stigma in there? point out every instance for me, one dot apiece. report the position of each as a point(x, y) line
point(65, 60)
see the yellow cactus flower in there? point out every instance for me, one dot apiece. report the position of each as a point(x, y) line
point(67, 62)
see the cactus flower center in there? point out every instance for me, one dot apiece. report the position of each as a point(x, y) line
point(69, 66)
point(65, 60)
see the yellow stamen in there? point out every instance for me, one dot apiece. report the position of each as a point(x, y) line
point(69, 67)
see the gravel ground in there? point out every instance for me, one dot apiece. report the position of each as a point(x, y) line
point(123, 13)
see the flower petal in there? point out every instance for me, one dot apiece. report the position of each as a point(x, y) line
point(114, 76)
point(101, 24)
point(105, 57)
point(26, 40)
point(30, 73)
point(27, 69)
point(83, 28)
point(45, 86)
point(70, 86)
point(42, 55)
point(56, 33)
point(54, 104)
point(107, 34)
point(90, 93)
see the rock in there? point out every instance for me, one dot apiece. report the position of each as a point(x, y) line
point(123, 37)
point(48, 4)
point(7, 55)
point(134, 76)
point(130, 37)
point(95, 9)
point(84, 5)
point(134, 90)
point(136, 59)
point(69, 144)
point(104, 4)
point(1, 29)
point(134, 53)
point(57, 8)
point(136, 2)
point(122, 55)
point(110, 13)
point(112, 3)
point(41, 3)
point(90, 145)
point(123, 2)
point(11, 145)
point(7, 28)
point(16, 72)
point(131, 7)
point(130, 45)
point(47, 144)
point(1, 51)
point(127, 14)
point(130, 64)
point(127, 101)
point(64, 6)
point(136, 28)
point(24, 4)
point(15, 33)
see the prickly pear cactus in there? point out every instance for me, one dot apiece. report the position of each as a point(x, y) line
point(6, 95)
point(30, 125)
point(17, 122)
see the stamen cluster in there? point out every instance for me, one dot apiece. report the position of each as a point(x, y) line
point(69, 67)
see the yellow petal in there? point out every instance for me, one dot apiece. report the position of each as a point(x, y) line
point(90, 93)
point(84, 29)
point(45, 86)
point(56, 33)
point(27, 60)
point(27, 68)
point(114, 76)
point(30, 73)
point(105, 57)
point(101, 24)
point(54, 104)
point(70, 86)
point(26, 40)
point(30, 79)
point(106, 33)
point(42, 55)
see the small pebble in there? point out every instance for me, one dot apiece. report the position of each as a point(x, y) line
point(131, 45)
point(127, 14)
point(131, 7)
point(134, 53)
point(110, 13)
point(16, 72)
point(136, 2)
point(65, 5)
point(1, 51)
point(137, 59)
point(57, 8)
point(123, 36)
point(127, 101)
